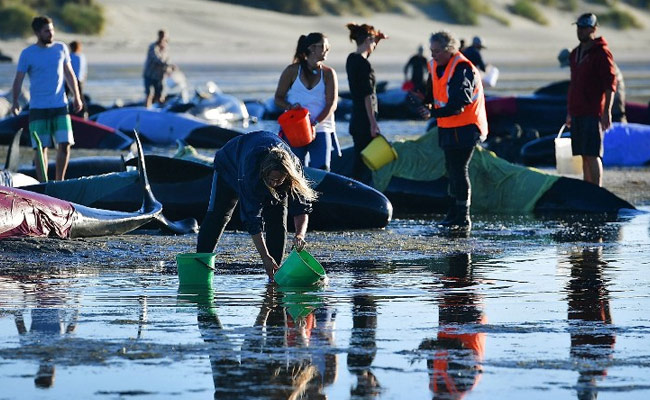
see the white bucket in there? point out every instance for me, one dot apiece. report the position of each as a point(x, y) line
point(491, 76)
point(565, 162)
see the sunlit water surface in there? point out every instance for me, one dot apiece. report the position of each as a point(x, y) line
point(523, 308)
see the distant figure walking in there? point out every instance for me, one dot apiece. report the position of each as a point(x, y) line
point(417, 64)
point(80, 68)
point(48, 65)
point(156, 67)
point(308, 83)
point(473, 53)
point(590, 98)
point(362, 82)
point(455, 98)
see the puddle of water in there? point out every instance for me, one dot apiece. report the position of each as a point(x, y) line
point(521, 308)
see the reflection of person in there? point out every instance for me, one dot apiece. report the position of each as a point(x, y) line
point(417, 64)
point(48, 325)
point(361, 79)
point(473, 53)
point(48, 65)
point(591, 93)
point(156, 66)
point(259, 170)
point(457, 352)
point(263, 368)
point(592, 335)
point(363, 346)
point(618, 104)
point(455, 98)
point(310, 84)
point(80, 68)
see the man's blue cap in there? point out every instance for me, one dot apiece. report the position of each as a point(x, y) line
point(587, 20)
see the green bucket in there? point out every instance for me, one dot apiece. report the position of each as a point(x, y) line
point(299, 270)
point(300, 305)
point(196, 269)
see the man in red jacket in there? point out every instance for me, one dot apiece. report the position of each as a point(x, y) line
point(591, 92)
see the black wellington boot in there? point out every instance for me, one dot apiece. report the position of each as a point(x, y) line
point(451, 215)
point(462, 221)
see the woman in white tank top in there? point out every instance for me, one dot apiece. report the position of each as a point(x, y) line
point(308, 83)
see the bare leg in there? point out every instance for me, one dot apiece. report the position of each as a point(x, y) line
point(37, 164)
point(62, 159)
point(592, 170)
point(149, 100)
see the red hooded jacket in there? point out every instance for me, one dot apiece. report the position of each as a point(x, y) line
point(590, 78)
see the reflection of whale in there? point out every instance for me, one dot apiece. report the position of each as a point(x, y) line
point(26, 213)
point(87, 134)
point(417, 182)
point(162, 127)
point(183, 187)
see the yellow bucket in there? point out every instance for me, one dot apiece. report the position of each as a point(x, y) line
point(378, 153)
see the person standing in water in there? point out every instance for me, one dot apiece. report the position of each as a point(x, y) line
point(455, 98)
point(48, 65)
point(156, 66)
point(361, 79)
point(308, 83)
point(591, 94)
point(417, 64)
point(259, 170)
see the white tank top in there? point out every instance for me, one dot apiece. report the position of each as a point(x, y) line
point(313, 100)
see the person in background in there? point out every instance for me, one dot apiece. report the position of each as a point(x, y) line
point(48, 65)
point(418, 66)
point(361, 79)
point(590, 98)
point(455, 98)
point(618, 105)
point(80, 68)
point(473, 53)
point(259, 170)
point(156, 66)
point(308, 83)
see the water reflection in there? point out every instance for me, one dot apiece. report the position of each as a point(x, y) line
point(590, 320)
point(51, 320)
point(454, 357)
point(286, 354)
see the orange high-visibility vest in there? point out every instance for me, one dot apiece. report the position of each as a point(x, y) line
point(474, 113)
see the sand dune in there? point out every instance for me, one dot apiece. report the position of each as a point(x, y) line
point(211, 32)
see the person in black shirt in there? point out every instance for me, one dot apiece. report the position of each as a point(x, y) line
point(473, 53)
point(361, 79)
point(418, 66)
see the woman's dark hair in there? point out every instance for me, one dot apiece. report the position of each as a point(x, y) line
point(359, 33)
point(302, 49)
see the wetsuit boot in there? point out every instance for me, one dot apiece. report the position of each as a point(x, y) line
point(462, 221)
point(451, 215)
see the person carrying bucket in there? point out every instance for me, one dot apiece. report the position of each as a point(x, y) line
point(310, 84)
point(259, 170)
point(455, 98)
point(361, 79)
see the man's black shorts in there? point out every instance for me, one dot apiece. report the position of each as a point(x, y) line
point(586, 136)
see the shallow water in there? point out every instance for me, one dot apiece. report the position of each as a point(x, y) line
point(521, 308)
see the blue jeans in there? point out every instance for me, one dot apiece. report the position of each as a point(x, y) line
point(317, 154)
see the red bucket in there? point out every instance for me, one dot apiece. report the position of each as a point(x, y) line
point(297, 127)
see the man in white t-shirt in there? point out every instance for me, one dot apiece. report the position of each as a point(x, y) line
point(48, 65)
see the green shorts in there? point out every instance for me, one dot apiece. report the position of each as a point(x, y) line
point(53, 126)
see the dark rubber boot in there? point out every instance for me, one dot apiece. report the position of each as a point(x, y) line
point(462, 220)
point(451, 216)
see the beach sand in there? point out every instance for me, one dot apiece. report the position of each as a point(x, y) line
point(203, 31)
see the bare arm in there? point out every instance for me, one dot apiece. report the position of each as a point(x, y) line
point(331, 94)
point(270, 266)
point(300, 222)
point(289, 75)
point(71, 80)
point(606, 118)
point(15, 92)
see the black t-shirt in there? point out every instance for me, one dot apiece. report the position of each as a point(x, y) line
point(361, 79)
point(418, 65)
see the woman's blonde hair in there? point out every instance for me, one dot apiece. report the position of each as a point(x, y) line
point(279, 159)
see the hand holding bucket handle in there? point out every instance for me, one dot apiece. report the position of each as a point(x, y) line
point(298, 244)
